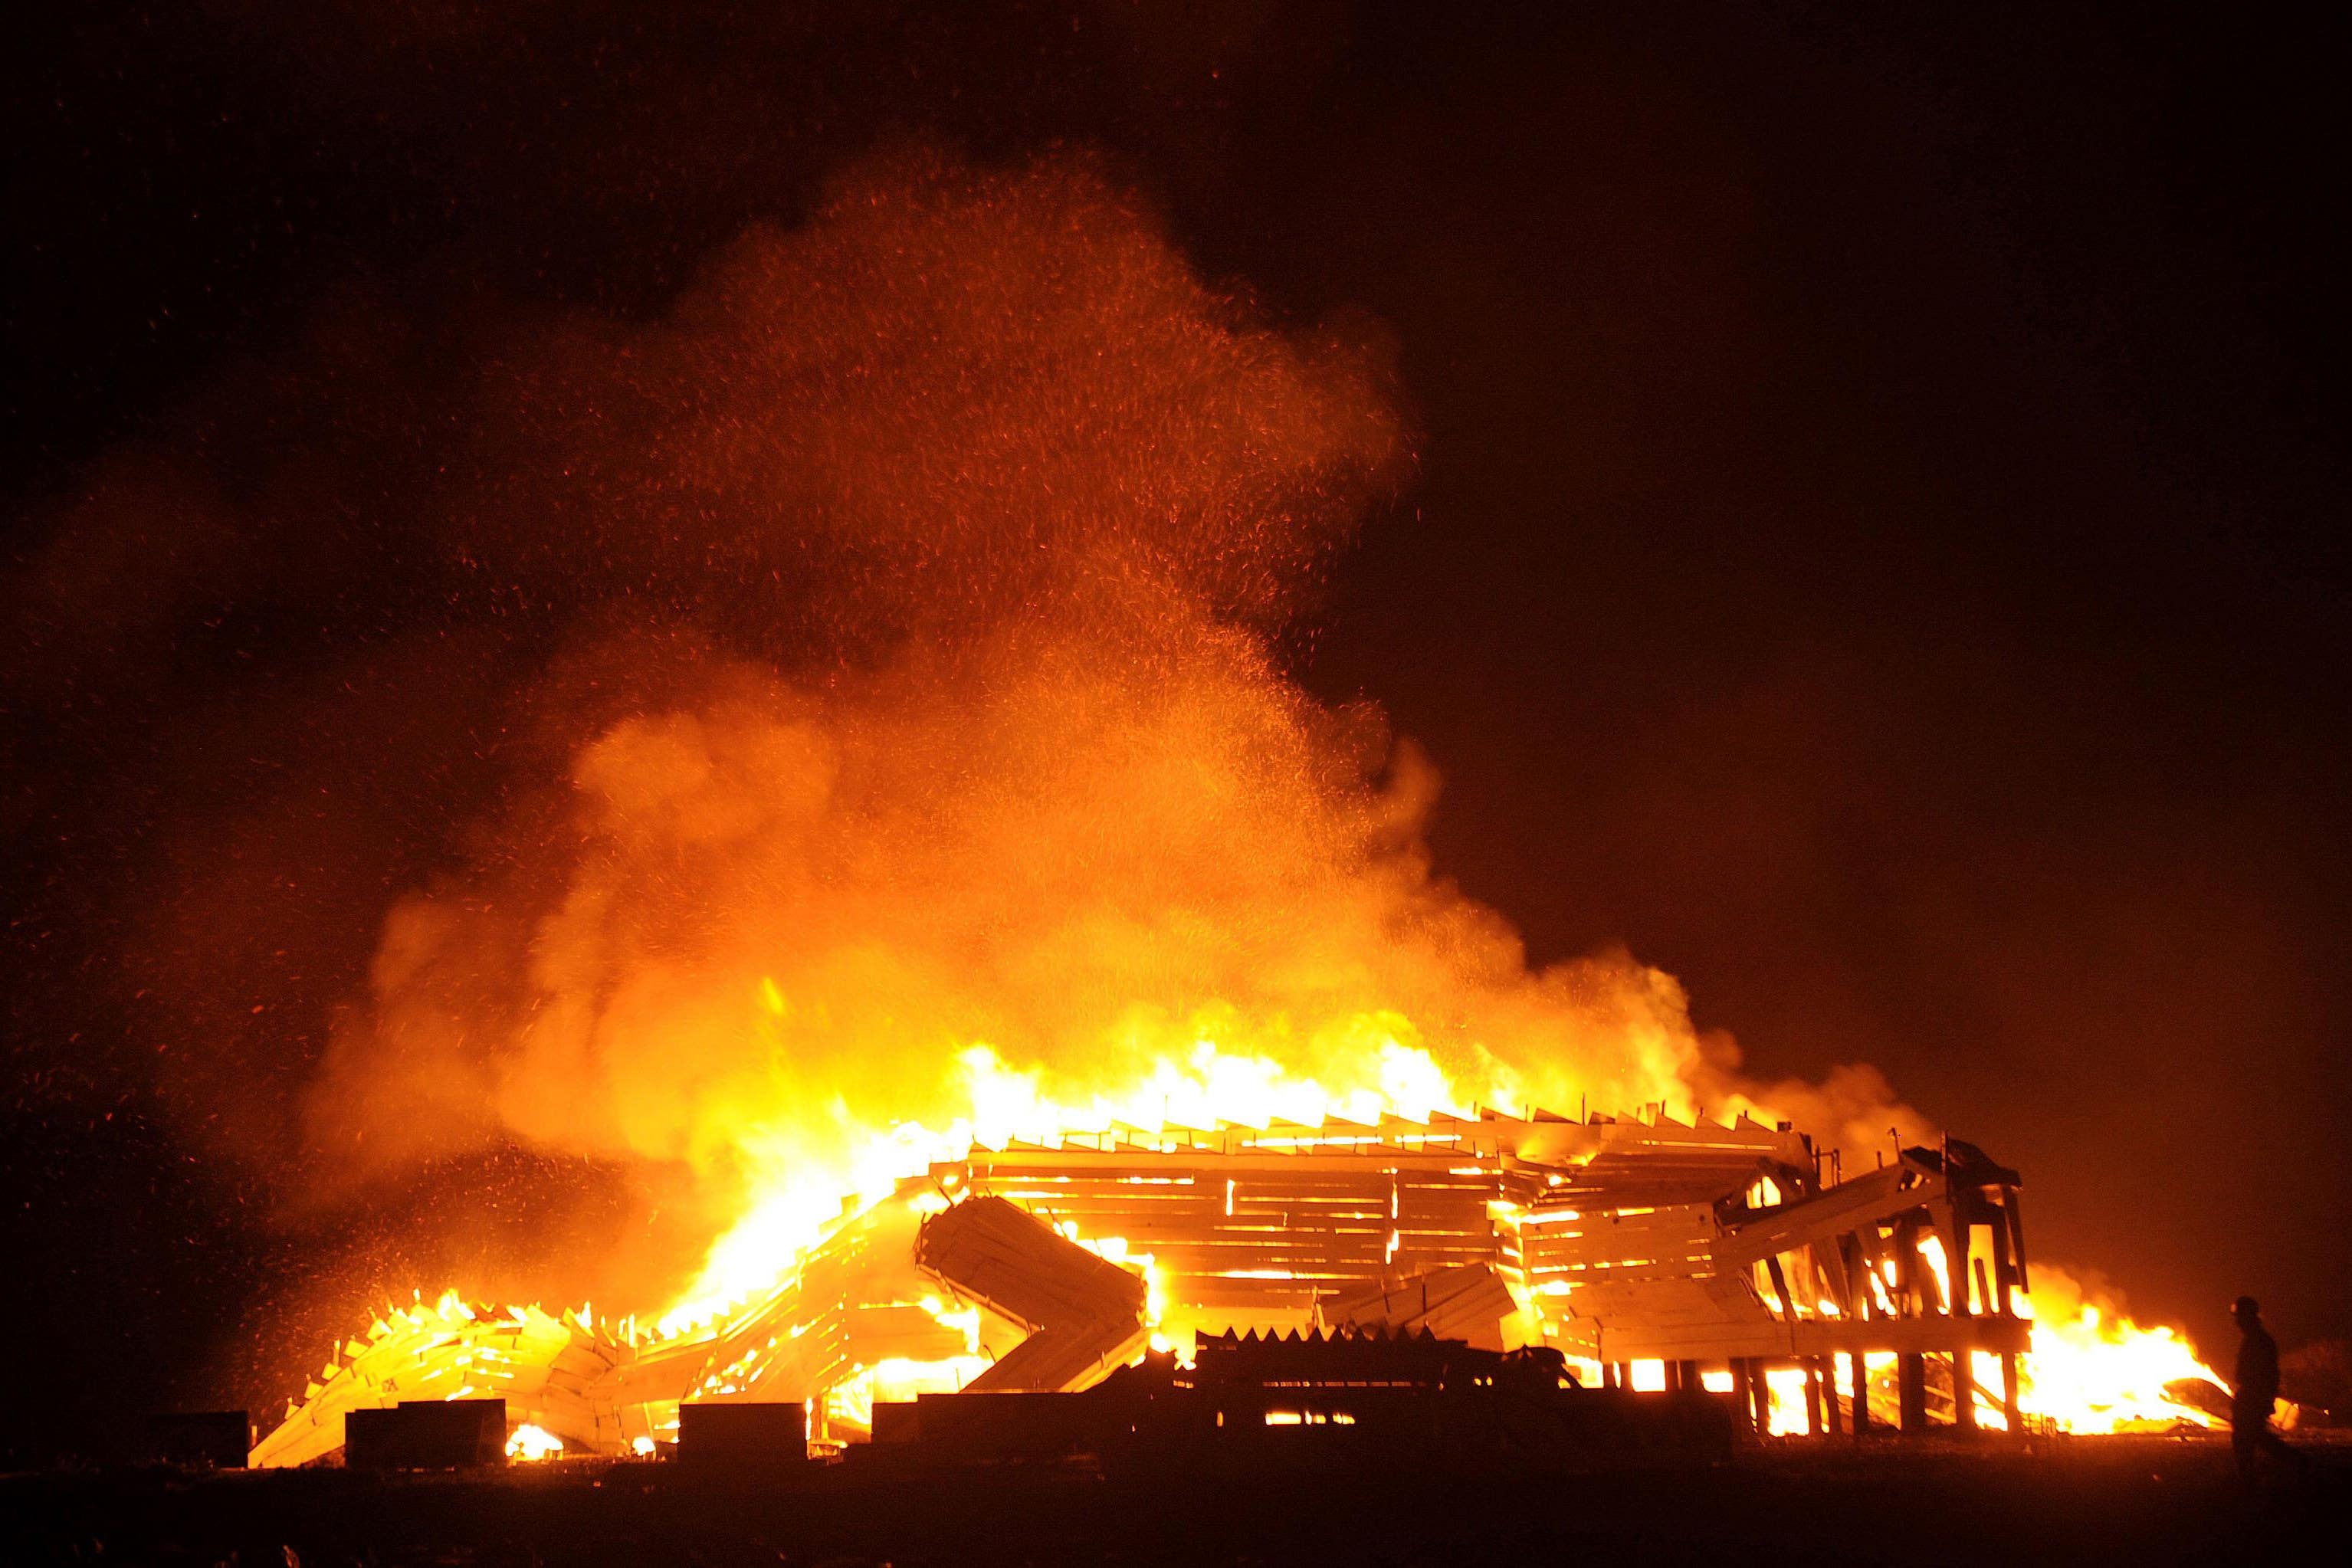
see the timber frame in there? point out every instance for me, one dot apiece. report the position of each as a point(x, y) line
point(1646, 1247)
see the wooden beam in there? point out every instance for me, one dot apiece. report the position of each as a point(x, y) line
point(1911, 1383)
point(2004, 1267)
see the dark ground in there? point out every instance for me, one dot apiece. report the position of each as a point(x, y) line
point(2142, 1500)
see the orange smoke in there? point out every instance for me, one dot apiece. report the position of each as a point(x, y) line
point(1041, 499)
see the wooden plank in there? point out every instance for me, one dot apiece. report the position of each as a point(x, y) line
point(1062, 1358)
point(1963, 1393)
point(1873, 1198)
point(1468, 1302)
point(1023, 1270)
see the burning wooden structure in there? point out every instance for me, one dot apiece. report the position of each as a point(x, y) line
point(1644, 1251)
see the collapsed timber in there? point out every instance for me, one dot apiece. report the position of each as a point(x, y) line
point(1646, 1253)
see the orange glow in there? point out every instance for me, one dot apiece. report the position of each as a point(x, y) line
point(1202, 1085)
point(2093, 1370)
point(1046, 836)
point(532, 1444)
point(1789, 1388)
point(1043, 842)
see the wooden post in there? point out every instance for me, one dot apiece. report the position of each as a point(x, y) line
point(1829, 1260)
point(1963, 1391)
point(1859, 1366)
point(1911, 1381)
point(2016, 1240)
point(1760, 1394)
point(2004, 1270)
point(2009, 1410)
point(1820, 1383)
point(1856, 1257)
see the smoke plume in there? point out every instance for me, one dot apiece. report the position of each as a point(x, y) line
point(902, 678)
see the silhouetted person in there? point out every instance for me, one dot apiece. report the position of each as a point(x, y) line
point(2255, 1391)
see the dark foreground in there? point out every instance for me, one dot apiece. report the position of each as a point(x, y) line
point(2090, 1500)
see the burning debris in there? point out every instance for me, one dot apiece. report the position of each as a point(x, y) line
point(1632, 1253)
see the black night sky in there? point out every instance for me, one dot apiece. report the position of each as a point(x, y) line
point(1876, 551)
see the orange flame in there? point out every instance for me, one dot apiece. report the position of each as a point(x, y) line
point(532, 1444)
point(2093, 1369)
point(1045, 840)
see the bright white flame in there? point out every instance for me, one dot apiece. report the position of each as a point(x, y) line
point(532, 1444)
point(2092, 1370)
point(1790, 1391)
point(1202, 1088)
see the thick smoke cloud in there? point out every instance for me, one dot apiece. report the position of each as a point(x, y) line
point(753, 710)
point(1035, 497)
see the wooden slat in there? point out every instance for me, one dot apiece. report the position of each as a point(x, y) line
point(1868, 1199)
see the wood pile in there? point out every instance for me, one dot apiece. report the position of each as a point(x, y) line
point(555, 1367)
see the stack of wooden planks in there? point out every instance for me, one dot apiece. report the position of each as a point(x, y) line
point(1468, 1303)
point(1084, 1315)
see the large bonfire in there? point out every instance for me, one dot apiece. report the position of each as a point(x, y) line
point(1008, 822)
